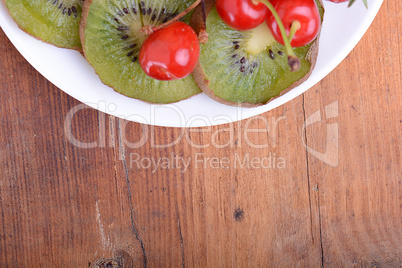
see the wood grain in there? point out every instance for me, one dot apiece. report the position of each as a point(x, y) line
point(62, 205)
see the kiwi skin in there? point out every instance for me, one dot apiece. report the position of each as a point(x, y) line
point(79, 49)
point(203, 82)
point(83, 22)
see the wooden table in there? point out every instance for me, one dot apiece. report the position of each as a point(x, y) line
point(336, 203)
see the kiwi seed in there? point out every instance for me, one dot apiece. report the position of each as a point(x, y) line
point(271, 54)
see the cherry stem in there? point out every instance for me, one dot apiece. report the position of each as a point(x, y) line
point(293, 60)
point(204, 13)
point(203, 35)
point(148, 29)
point(293, 29)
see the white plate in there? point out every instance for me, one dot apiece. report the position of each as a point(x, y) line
point(342, 29)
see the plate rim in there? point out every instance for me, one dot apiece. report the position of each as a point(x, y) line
point(7, 24)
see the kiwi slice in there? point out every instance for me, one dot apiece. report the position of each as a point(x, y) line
point(111, 38)
point(53, 21)
point(248, 68)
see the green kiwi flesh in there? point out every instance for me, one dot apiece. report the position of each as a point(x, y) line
point(248, 68)
point(53, 21)
point(111, 38)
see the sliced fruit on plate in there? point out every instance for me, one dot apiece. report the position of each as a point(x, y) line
point(111, 36)
point(53, 21)
point(248, 68)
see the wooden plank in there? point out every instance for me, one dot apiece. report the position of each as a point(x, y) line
point(359, 200)
point(52, 194)
point(217, 216)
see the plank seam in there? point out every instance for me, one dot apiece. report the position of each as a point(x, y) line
point(309, 190)
point(130, 198)
point(181, 237)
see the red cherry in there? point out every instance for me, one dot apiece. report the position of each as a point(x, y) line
point(241, 15)
point(303, 11)
point(170, 53)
